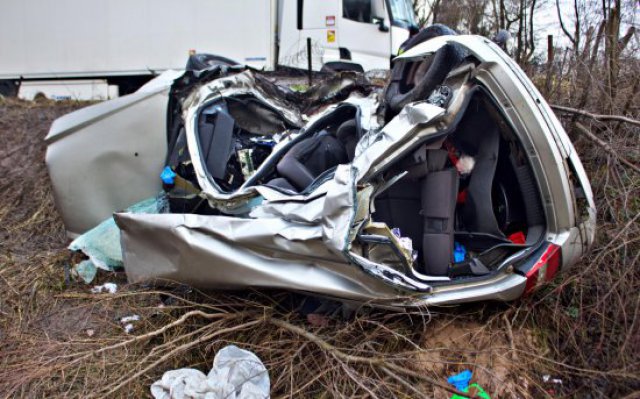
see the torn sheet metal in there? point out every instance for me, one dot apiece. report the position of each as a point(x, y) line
point(296, 244)
point(337, 207)
point(246, 84)
point(376, 147)
point(231, 253)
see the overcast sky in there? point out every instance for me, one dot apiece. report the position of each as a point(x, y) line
point(547, 23)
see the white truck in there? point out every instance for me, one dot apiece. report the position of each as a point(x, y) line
point(94, 49)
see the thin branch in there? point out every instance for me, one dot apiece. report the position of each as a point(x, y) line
point(345, 357)
point(598, 117)
point(512, 345)
point(403, 382)
point(149, 335)
point(605, 146)
point(633, 395)
point(564, 30)
point(110, 389)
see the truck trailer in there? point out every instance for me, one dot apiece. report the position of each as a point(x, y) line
point(99, 49)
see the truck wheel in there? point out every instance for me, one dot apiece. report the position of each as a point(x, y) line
point(40, 97)
point(341, 66)
point(200, 61)
point(9, 88)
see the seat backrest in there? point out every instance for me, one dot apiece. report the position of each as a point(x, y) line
point(348, 135)
point(310, 157)
point(477, 213)
point(217, 143)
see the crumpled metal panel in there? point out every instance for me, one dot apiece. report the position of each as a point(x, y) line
point(305, 242)
point(230, 253)
point(332, 211)
point(107, 156)
point(376, 146)
point(236, 85)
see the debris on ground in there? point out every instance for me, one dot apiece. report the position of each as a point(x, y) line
point(547, 379)
point(236, 374)
point(127, 323)
point(110, 288)
point(128, 319)
point(85, 270)
point(461, 382)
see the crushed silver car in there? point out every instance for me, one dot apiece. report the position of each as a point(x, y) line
point(455, 183)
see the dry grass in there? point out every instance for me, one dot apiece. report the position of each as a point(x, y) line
point(59, 340)
point(591, 318)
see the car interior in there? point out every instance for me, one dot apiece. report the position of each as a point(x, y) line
point(467, 202)
point(463, 203)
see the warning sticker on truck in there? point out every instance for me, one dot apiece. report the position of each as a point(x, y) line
point(330, 20)
point(331, 36)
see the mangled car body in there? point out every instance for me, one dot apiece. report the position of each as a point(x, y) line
point(455, 184)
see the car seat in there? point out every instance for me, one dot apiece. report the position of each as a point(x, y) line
point(312, 156)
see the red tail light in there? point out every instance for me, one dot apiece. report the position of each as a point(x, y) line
point(545, 268)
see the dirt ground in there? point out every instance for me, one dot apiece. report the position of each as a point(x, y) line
point(57, 339)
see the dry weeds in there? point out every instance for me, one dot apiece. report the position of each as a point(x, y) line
point(59, 340)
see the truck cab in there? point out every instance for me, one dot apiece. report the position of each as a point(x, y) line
point(344, 34)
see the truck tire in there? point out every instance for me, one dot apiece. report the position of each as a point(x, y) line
point(341, 66)
point(9, 88)
point(200, 61)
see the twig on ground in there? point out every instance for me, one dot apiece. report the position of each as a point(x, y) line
point(372, 361)
point(119, 384)
point(151, 334)
point(509, 329)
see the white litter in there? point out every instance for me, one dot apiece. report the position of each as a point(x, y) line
point(129, 319)
point(111, 288)
point(236, 374)
point(547, 378)
point(127, 324)
point(465, 164)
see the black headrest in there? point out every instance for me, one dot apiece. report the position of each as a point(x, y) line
point(347, 131)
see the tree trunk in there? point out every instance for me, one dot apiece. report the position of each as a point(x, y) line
point(611, 52)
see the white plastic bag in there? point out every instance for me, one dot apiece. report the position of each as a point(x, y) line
point(236, 374)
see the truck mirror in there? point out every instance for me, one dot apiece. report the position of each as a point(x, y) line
point(380, 22)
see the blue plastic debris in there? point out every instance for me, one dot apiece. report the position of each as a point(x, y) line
point(102, 243)
point(168, 176)
point(86, 270)
point(461, 380)
point(459, 252)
